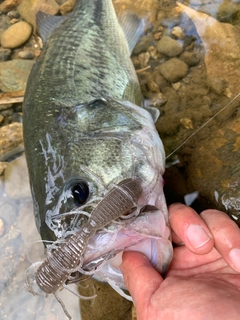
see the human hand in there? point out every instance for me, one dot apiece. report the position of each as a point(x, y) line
point(203, 281)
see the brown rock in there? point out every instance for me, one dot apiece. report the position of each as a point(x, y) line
point(214, 168)
point(11, 140)
point(29, 8)
point(14, 75)
point(67, 7)
point(169, 46)
point(221, 44)
point(174, 70)
point(16, 35)
point(9, 5)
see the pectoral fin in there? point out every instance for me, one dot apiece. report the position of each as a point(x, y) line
point(133, 27)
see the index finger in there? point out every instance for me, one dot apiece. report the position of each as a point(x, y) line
point(188, 227)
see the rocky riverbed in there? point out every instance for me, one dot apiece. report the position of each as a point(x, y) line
point(188, 67)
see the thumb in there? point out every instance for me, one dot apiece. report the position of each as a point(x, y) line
point(141, 279)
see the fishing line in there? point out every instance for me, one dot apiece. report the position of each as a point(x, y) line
point(202, 127)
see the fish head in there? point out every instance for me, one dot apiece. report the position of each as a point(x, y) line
point(105, 141)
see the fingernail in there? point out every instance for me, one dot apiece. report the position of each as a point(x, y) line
point(234, 255)
point(197, 236)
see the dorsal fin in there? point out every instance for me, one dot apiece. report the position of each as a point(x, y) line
point(133, 27)
point(47, 23)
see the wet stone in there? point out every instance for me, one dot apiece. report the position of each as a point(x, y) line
point(14, 21)
point(228, 11)
point(5, 106)
point(14, 74)
point(187, 123)
point(5, 54)
point(11, 140)
point(178, 32)
point(4, 24)
point(28, 12)
point(7, 113)
point(158, 100)
point(171, 22)
point(159, 79)
point(13, 14)
point(143, 59)
point(143, 45)
point(26, 55)
point(17, 117)
point(16, 35)
point(174, 70)
point(176, 86)
point(169, 46)
point(8, 5)
point(190, 58)
point(67, 6)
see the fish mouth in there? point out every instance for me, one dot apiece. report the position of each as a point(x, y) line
point(148, 233)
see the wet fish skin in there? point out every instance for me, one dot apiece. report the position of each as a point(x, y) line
point(84, 121)
point(84, 58)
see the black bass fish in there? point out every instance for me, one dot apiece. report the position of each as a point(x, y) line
point(88, 138)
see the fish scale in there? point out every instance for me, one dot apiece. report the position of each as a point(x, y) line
point(76, 49)
point(85, 132)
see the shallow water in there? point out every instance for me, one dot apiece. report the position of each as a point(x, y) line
point(207, 163)
point(19, 247)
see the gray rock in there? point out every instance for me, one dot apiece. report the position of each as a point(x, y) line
point(143, 45)
point(16, 179)
point(169, 47)
point(171, 22)
point(5, 54)
point(7, 112)
point(14, 74)
point(17, 117)
point(5, 106)
point(4, 24)
point(191, 58)
point(174, 70)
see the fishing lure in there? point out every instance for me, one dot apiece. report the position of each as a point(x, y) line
point(54, 272)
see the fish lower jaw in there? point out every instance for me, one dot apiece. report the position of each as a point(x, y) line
point(149, 234)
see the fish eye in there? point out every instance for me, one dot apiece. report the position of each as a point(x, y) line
point(80, 192)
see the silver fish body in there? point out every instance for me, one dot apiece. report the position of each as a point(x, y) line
point(85, 131)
